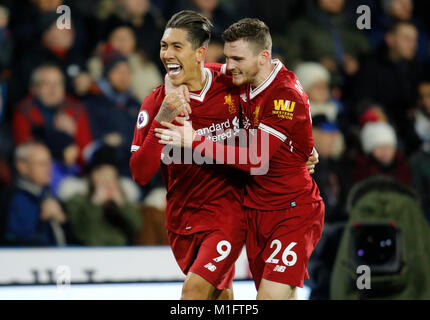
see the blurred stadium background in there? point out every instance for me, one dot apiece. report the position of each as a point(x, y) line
point(78, 90)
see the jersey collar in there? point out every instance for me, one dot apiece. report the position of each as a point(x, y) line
point(201, 96)
point(254, 92)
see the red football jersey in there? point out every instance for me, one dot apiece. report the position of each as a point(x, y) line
point(280, 107)
point(199, 196)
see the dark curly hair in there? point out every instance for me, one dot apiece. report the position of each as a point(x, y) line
point(197, 26)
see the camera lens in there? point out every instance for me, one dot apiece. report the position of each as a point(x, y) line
point(375, 245)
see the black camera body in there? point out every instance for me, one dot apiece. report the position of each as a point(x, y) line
point(377, 245)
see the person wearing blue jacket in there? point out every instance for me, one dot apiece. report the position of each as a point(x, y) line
point(35, 217)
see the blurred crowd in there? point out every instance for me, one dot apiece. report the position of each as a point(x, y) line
point(69, 100)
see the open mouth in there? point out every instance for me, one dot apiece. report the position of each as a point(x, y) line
point(173, 69)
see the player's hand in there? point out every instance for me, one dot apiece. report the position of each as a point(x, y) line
point(65, 123)
point(169, 87)
point(182, 90)
point(173, 105)
point(178, 136)
point(312, 161)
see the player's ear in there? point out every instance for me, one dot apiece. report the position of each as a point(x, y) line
point(22, 167)
point(201, 54)
point(264, 56)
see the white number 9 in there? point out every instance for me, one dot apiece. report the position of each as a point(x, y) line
point(223, 253)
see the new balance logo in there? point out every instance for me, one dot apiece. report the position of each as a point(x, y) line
point(210, 266)
point(279, 268)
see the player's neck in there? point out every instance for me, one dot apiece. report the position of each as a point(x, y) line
point(263, 74)
point(197, 82)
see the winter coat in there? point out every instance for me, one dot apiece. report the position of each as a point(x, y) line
point(98, 225)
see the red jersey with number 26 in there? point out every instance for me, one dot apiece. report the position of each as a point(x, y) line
point(280, 107)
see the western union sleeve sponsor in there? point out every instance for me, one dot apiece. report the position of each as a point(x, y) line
point(284, 105)
point(284, 108)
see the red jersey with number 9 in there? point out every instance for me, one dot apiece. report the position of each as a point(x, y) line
point(200, 196)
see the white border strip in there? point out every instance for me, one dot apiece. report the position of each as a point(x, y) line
point(224, 68)
point(134, 148)
point(273, 132)
point(268, 81)
point(200, 97)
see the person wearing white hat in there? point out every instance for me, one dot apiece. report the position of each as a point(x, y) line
point(381, 156)
point(379, 139)
point(315, 79)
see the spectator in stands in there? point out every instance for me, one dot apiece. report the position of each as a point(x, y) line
point(6, 185)
point(214, 10)
point(371, 112)
point(326, 35)
point(153, 215)
point(113, 109)
point(48, 107)
point(146, 21)
point(316, 80)
point(397, 11)
point(276, 20)
point(25, 16)
point(419, 162)
point(328, 140)
point(6, 145)
point(145, 75)
point(6, 51)
point(330, 175)
point(379, 144)
point(65, 155)
point(6, 45)
point(390, 76)
point(334, 182)
point(56, 46)
point(103, 216)
point(215, 51)
point(5, 59)
point(35, 217)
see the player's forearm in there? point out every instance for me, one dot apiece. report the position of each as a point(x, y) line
point(144, 162)
point(251, 159)
point(221, 153)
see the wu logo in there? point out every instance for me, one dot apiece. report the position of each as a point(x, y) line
point(284, 105)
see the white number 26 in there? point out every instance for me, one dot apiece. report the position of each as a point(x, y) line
point(287, 253)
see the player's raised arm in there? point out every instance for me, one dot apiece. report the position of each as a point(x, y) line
point(145, 160)
point(263, 143)
point(253, 158)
